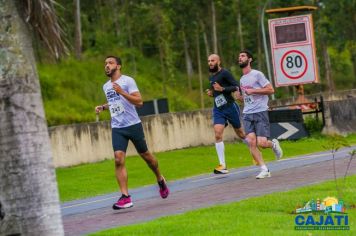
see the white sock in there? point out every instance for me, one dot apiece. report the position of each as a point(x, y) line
point(220, 150)
point(264, 168)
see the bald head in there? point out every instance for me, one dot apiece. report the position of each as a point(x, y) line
point(215, 57)
point(214, 63)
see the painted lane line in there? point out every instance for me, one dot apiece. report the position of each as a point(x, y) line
point(87, 203)
point(217, 176)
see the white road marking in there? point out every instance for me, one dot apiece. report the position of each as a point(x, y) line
point(87, 203)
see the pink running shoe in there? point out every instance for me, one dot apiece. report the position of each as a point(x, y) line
point(163, 189)
point(123, 202)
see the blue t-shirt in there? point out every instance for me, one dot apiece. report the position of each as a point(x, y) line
point(123, 113)
point(256, 102)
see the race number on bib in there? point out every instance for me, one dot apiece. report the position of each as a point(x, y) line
point(116, 108)
point(248, 99)
point(220, 100)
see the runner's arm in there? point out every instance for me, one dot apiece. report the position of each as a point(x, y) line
point(233, 83)
point(134, 97)
point(238, 96)
point(266, 90)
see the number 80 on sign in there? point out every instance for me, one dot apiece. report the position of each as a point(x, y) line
point(294, 64)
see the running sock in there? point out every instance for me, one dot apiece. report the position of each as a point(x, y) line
point(264, 168)
point(220, 150)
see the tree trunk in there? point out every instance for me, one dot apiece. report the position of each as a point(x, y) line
point(188, 62)
point(353, 59)
point(215, 37)
point(239, 25)
point(130, 37)
point(115, 12)
point(199, 72)
point(205, 37)
point(78, 30)
point(161, 59)
point(28, 191)
point(259, 41)
point(327, 64)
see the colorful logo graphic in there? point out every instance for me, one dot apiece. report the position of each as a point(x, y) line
point(328, 214)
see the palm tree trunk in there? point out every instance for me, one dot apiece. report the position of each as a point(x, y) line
point(28, 191)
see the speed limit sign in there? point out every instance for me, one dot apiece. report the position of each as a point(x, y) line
point(294, 64)
point(293, 50)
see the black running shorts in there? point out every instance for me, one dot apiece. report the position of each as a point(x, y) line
point(121, 137)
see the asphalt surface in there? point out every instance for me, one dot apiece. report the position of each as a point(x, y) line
point(94, 214)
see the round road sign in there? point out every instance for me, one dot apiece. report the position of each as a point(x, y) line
point(294, 64)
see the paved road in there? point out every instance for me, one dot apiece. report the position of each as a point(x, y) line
point(94, 214)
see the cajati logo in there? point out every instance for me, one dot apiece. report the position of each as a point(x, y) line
point(328, 214)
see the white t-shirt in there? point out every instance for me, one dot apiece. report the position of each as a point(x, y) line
point(254, 103)
point(123, 113)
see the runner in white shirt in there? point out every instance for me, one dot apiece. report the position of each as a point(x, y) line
point(122, 96)
point(255, 89)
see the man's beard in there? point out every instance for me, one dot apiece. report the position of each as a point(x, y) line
point(243, 64)
point(110, 72)
point(214, 69)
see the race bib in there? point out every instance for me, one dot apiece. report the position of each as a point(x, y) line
point(248, 99)
point(220, 100)
point(116, 108)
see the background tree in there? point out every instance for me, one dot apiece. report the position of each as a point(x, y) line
point(157, 42)
point(78, 30)
point(28, 192)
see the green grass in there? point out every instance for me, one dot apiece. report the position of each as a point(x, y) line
point(266, 215)
point(94, 179)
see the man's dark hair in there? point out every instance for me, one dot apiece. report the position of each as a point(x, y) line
point(117, 59)
point(248, 53)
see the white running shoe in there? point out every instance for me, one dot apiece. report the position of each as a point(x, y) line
point(277, 149)
point(263, 174)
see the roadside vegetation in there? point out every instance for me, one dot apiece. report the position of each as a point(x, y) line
point(164, 45)
point(71, 89)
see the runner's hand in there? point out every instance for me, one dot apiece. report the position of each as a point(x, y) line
point(249, 91)
point(237, 96)
point(209, 92)
point(117, 88)
point(98, 109)
point(217, 87)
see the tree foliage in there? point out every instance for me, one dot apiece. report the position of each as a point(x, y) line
point(165, 32)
